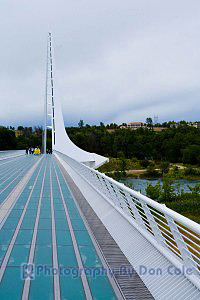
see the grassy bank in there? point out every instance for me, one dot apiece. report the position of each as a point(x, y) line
point(146, 169)
point(188, 205)
point(120, 164)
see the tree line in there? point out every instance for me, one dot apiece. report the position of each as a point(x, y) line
point(180, 144)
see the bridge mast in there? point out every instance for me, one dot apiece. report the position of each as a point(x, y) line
point(52, 91)
point(49, 92)
point(45, 106)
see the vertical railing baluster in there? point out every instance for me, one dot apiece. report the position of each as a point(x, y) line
point(136, 213)
point(156, 231)
point(182, 246)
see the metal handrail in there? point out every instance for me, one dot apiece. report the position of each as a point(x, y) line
point(142, 209)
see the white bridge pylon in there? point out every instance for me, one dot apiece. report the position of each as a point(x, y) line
point(60, 140)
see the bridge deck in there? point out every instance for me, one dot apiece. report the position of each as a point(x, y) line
point(131, 286)
point(12, 170)
point(44, 227)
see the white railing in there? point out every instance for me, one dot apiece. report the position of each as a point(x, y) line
point(176, 235)
point(11, 153)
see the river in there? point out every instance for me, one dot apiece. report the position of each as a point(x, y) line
point(140, 185)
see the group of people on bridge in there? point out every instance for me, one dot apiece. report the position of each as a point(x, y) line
point(37, 151)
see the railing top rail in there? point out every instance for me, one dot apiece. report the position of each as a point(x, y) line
point(158, 206)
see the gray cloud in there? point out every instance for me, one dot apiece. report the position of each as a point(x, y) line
point(115, 61)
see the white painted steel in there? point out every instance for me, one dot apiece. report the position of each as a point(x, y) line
point(60, 140)
point(175, 236)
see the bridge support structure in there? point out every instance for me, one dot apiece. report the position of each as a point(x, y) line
point(161, 245)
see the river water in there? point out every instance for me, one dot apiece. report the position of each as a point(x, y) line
point(140, 185)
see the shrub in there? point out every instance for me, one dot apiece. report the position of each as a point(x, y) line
point(164, 167)
point(151, 171)
point(190, 171)
point(153, 192)
point(168, 192)
point(144, 163)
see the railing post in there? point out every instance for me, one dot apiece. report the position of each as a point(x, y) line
point(136, 213)
point(182, 247)
point(112, 194)
point(156, 231)
point(101, 185)
point(106, 188)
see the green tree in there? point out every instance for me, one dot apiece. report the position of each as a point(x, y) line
point(191, 154)
point(81, 123)
point(154, 192)
point(7, 139)
point(168, 191)
point(149, 122)
point(164, 167)
point(195, 190)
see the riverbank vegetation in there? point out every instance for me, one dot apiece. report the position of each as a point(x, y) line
point(172, 194)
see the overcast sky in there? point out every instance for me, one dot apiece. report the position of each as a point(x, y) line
point(116, 61)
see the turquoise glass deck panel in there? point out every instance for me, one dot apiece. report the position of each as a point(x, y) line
point(45, 213)
point(11, 285)
point(28, 223)
point(15, 213)
point(43, 255)
point(24, 237)
point(83, 238)
point(74, 214)
point(6, 236)
point(89, 257)
point(14, 171)
point(58, 206)
point(31, 213)
point(66, 256)
point(41, 288)
point(71, 288)
point(19, 255)
point(78, 224)
point(3, 249)
point(33, 205)
point(11, 223)
point(60, 214)
point(45, 223)
point(61, 224)
point(100, 287)
point(44, 237)
point(63, 238)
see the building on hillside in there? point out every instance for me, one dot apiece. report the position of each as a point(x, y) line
point(18, 133)
point(195, 124)
point(136, 125)
point(192, 124)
